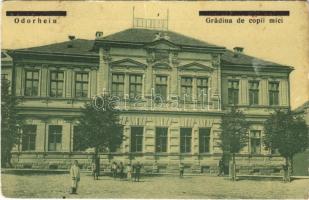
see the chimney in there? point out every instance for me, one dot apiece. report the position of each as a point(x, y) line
point(238, 50)
point(71, 38)
point(98, 34)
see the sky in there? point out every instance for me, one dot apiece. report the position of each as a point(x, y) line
point(285, 43)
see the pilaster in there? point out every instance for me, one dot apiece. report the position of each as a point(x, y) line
point(244, 99)
point(264, 92)
point(66, 136)
point(69, 83)
point(283, 93)
point(127, 138)
point(44, 81)
point(195, 140)
point(19, 80)
point(174, 137)
point(40, 136)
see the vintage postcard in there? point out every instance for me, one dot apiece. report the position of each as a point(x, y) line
point(155, 99)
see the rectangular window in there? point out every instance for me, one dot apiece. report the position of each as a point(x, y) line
point(202, 89)
point(255, 142)
point(161, 87)
point(56, 84)
point(118, 85)
point(186, 88)
point(136, 139)
point(54, 138)
point(273, 93)
point(81, 84)
point(28, 137)
point(185, 140)
point(161, 140)
point(233, 92)
point(204, 139)
point(135, 86)
point(4, 76)
point(32, 83)
point(253, 92)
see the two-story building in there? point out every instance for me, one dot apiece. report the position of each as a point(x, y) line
point(171, 89)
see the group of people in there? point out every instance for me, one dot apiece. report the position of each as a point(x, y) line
point(122, 171)
point(118, 170)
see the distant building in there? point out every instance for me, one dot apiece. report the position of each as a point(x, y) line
point(301, 161)
point(6, 66)
point(303, 111)
point(173, 90)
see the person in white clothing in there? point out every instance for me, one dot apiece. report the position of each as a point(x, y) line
point(75, 175)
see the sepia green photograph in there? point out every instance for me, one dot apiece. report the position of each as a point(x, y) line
point(155, 99)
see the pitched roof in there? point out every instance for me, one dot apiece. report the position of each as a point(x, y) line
point(138, 35)
point(77, 46)
point(242, 59)
point(141, 36)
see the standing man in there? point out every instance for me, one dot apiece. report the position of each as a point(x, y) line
point(181, 170)
point(137, 173)
point(75, 176)
point(94, 169)
point(221, 167)
point(97, 164)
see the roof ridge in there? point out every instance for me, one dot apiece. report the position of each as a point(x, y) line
point(256, 58)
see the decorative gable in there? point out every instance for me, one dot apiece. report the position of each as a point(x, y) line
point(128, 63)
point(162, 44)
point(194, 66)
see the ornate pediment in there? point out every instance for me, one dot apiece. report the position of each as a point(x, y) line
point(162, 44)
point(127, 62)
point(194, 66)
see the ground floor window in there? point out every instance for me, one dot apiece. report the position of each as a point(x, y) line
point(185, 140)
point(54, 137)
point(161, 139)
point(28, 138)
point(255, 142)
point(137, 139)
point(204, 139)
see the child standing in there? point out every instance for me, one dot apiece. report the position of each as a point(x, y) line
point(129, 172)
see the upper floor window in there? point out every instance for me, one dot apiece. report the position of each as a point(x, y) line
point(253, 92)
point(202, 89)
point(136, 139)
point(135, 86)
point(204, 139)
point(32, 83)
point(118, 85)
point(273, 93)
point(255, 142)
point(233, 92)
point(81, 84)
point(185, 140)
point(161, 87)
point(54, 138)
point(56, 84)
point(28, 138)
point(186, 88)
point(161, 139)
point(4, 76)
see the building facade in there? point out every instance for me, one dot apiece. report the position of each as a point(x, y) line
point(171, 89)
